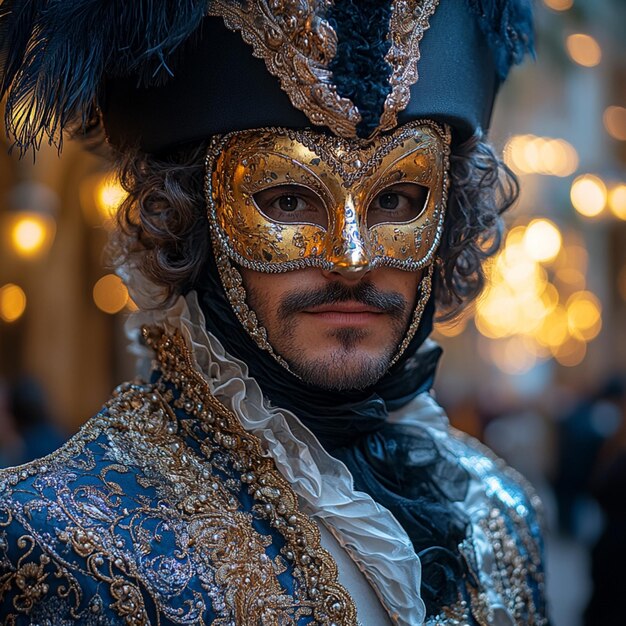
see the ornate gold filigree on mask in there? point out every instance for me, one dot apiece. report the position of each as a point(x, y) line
point(334, 217)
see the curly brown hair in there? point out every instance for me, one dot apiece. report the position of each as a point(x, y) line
point(162, 224)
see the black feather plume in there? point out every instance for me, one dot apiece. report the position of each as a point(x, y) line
point(54, 55)
point(359, 68)
point(508, 26)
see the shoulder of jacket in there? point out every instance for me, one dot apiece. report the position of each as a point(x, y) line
point(76, 454)
point(500, 479)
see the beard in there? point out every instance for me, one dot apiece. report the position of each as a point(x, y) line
point(345, 366)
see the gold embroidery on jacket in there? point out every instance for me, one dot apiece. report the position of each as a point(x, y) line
point(192, 470)
point(313, 566)
point(116, 551)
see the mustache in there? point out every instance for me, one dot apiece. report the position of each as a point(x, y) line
point(392, 303)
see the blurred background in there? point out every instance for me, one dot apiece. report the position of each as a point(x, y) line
point(536, 368)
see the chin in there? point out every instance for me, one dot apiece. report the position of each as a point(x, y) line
point(339, 370)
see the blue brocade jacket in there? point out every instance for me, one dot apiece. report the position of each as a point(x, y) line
point(163, 510)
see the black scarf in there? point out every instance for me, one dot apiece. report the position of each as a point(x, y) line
point(401, 467)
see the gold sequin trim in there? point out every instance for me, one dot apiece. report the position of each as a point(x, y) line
point(409, 21)
point(236, 295)
point(330, 602)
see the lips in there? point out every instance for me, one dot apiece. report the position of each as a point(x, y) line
point(344, 308)
point(363, 300)
point(344, 314)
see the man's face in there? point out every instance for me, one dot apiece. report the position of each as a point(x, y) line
point(336, 332)
point(332, 238)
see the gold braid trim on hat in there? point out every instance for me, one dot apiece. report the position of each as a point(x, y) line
point(298, 47)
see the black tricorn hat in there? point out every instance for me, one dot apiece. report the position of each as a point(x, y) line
point(165, 73)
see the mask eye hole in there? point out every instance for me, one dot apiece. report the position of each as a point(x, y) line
point(292, 204)
point(399, 203)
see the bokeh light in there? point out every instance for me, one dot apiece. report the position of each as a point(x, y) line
point(614, 120)
point(588, 195)
point(583, 49)
point(571, 277)
point(529, 154)
point(100, 197)
point(31, 234)
point(574, 256)
point(584, 315)
point(571, 352)
point(512, 355)
point(109, 195)
point(542, 240)
point(28, 235)
point(536, 305)
point(12, 302)
point(554, 330)
point(559, 5)
point(110, 294)
point(617, 201)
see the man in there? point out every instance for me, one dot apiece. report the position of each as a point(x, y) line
point(283, 461)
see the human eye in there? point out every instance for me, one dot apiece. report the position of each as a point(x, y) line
point(402, 202)
point(289, 203)
point(292, 204)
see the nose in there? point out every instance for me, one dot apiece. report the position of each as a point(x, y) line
point(348, 245)
point(354, 270)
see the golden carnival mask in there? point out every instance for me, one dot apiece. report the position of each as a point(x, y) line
point(283, 199)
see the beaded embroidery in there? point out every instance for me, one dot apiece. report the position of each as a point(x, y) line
point(298, 44)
